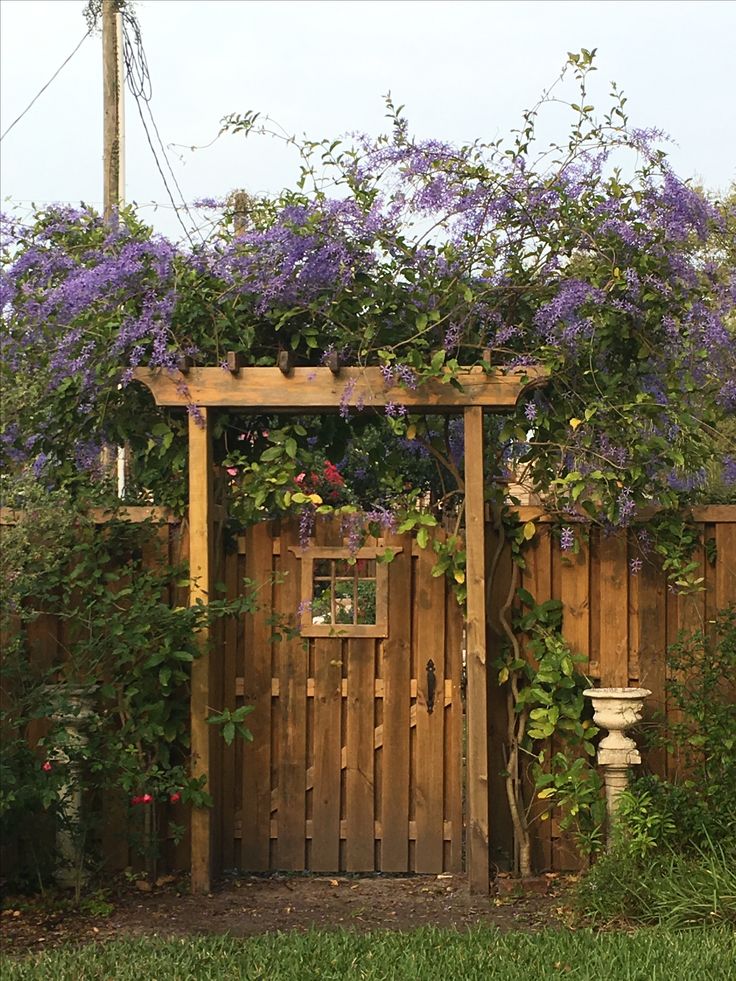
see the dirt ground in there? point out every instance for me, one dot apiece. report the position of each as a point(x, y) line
point(252, 905)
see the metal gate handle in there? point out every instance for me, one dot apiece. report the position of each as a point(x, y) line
point(431, 686)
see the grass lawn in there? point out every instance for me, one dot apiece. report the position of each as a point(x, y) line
point(423, 955)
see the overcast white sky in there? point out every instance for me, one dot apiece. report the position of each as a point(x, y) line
point(463, 70)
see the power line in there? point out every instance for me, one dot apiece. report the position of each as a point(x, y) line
point(39, 94)
point(139, 82)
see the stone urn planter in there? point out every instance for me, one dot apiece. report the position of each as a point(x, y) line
point(76, 708)
point(616, 709)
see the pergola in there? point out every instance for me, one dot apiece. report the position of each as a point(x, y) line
point(317, 390)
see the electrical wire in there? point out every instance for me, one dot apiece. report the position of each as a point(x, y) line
point(41, 92)
point(139, 82)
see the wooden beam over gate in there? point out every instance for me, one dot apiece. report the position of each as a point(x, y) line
point(319, 390)
point(315, 390)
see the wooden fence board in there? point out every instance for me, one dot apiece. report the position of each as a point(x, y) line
point(726, 563)
point(430, 645)
point(359, 803)
point(652, 641)
point(256, 801)
point(613, 611)
point(292, 710)
point(575, 597)
point(327, 756)
point(396, 673)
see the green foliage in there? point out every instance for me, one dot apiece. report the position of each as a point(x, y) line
point(116, 696)
point(232, 723)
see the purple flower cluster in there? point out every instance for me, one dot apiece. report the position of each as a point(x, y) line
point(567, 538)
point(560, 320)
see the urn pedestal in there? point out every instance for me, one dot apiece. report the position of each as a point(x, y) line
point(616, 709)
point(73, 716)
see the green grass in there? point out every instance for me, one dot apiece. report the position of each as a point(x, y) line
point(422, 955)
point(668, 889)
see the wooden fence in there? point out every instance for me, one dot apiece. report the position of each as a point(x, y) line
point(621, 622)
point(347, 769)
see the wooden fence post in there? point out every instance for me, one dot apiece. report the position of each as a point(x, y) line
point(477, 699)
point(201, 511)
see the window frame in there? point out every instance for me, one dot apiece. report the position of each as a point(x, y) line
point(307, 556)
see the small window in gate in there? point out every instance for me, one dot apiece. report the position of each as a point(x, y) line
point(343, 594)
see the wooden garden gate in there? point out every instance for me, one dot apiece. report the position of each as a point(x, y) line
point(356, 761)
point(316, 390)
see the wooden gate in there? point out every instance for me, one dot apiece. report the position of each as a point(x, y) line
point(356, 760)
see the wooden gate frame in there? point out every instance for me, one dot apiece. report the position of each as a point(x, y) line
point(318, 390)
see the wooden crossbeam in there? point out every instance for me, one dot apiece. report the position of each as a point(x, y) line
point(323, 390)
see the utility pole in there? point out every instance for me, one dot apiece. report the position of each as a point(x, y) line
point(113, 183)
point(114, 111)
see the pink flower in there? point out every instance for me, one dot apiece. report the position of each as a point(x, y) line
point(299, 478)
point(47, 767)
point(233, 471)
point(146, 799)
point(175, 797)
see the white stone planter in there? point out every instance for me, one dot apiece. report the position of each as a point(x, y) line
point(616, 709)
point(70, 872)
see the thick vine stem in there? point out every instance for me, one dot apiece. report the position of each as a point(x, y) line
point(515, 721)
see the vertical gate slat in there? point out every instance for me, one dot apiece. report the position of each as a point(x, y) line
point(256, 783)
point(614, 606)
point(396, 711)
point(430, 645)
point(359, 803)
point(292, 673)
point(327, 753)
point(325, 847)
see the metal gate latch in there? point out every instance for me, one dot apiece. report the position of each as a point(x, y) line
point(431, 686)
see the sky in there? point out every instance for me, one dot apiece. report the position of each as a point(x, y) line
point(463, 70)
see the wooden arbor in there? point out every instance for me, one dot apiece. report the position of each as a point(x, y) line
point(317, 390)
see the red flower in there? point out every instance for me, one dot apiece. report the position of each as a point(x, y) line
point(135, 800)
point(333, 475)
point(176, 796)
point(47, 767)
point(146, 799)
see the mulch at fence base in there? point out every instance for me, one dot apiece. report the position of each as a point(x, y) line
point(264, 904)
